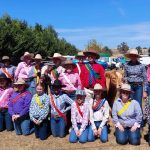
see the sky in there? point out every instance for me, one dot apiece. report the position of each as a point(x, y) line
point(110, 22)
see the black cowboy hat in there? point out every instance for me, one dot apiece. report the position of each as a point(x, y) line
point(3, 76)
point(57, 84)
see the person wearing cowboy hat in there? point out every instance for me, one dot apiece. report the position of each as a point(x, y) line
point(59, 107)
point(24, 67)
point(35, 73)
point(39, 110)
point(70, 79)
point(92, 72)
point(58, 69)
point(135, 75)
point(79, 119)
point(7, 68)
point(99, 115)
point(127, 117)
point(18, 108)
point(5, 93)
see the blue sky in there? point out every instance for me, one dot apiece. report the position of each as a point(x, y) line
point(110, 22)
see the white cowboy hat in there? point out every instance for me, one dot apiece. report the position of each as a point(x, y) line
point(27, 54)
point(97, 86)
point(132, 52)
point(126, 87)
point(80, 54)
point(5, 58)
point(69, 62)
point(57, 55)
point(38, 56)
point(20, 81)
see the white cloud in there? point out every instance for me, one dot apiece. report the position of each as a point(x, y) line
point(110, 36)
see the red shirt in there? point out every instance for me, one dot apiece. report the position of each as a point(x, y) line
point(85, 76)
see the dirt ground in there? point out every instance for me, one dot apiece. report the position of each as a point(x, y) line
point(9, 141)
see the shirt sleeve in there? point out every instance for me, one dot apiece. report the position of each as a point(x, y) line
point(92, 115)
point(73, 117)
point(114, 113)
point(85, 118)
point(125, 74)
point(31, 109)
point(78, 82)
point(68, 100)
point(45, 109)
point(106, 114)
point(17, 71)
point(10, 107)
point(27, 101)
point(144, 78)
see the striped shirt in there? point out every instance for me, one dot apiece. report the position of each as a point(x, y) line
point(77, 118)
point(35, 111)
point(132, 115)
point(60, 102)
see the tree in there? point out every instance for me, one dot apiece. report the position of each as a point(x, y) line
point(123, 47)
point(139, 49)
point(93, 44)
point(18, 37)
point(107, 50)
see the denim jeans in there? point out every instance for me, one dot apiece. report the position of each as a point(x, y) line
point(137, 93)
point(22, 125)
point(104, 134)
point(123, 137)
point(41, 131)
point(58, 126)
point(83, 137)
point(5, 121)
point(148, 88)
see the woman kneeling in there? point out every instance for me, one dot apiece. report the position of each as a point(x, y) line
point(79, 118)
point(127, 117)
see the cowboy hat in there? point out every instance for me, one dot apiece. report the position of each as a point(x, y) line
point(3, 76)
point(27, 54)
point(69, 62)
point(132, 52)
point(92, 52)
point(38, 57)
point(80, 92)
point(58, 56)
point(20, 81)
point(80, 54)
point(57, 84)
point(125, 87)
point(97, 86)
point(5, 58)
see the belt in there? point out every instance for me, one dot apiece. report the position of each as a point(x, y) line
point(136, 83)
point(1, 109)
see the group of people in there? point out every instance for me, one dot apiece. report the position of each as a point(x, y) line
point(61, 97)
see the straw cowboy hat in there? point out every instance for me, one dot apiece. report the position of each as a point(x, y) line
point(20, 81)
point(38, 57)
point(80, 92)
point(92, 52)
point(27, 54)
point(132, 52)
point(5, 58)
point(97, 86)
point(126, 87)
point(80, 54)
point(58, 56)
point(69, 62)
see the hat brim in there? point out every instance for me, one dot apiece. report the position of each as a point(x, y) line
point(17, 83)
point(74, 65)
point(58, 86)
point(61, 58)
point(126, 90)
point(130, 55)
point(28, 55)
point(92, 53)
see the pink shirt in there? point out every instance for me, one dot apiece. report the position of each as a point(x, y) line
point(22, 70)
point(148, 74)
point(4, 97)
point(73, 78)
point(76, 117)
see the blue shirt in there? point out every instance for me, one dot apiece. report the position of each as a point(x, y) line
point(60, 102)
point(37, 112)
point(133, 114)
